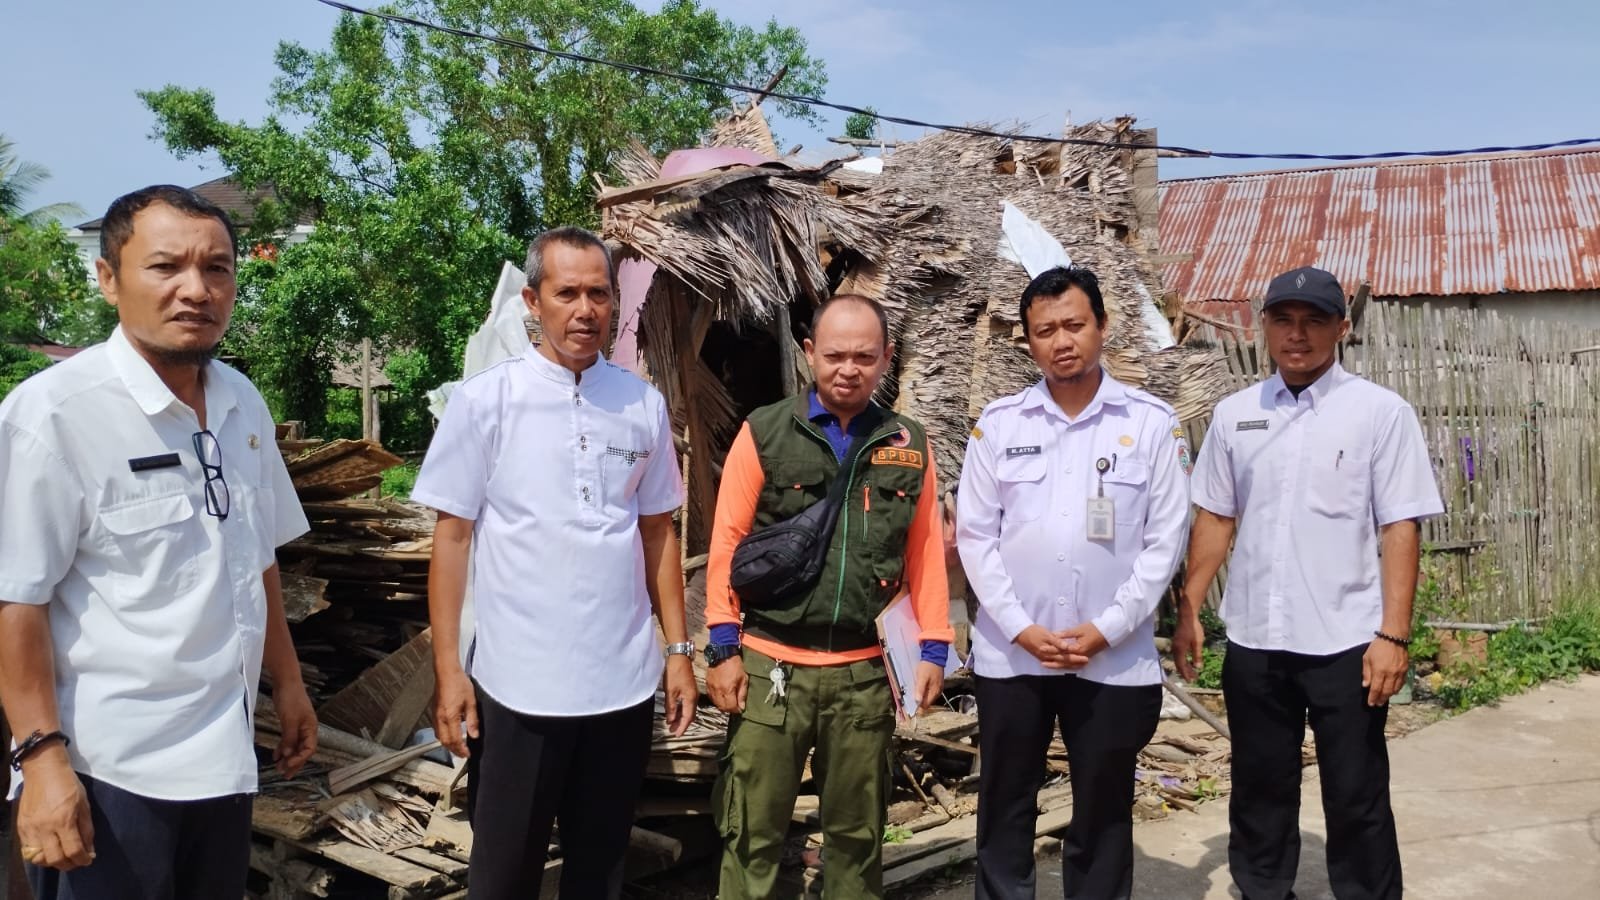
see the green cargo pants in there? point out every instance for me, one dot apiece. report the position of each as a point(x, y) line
point(846, 714)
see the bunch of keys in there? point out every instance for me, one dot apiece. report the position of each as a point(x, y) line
point(1101, 520)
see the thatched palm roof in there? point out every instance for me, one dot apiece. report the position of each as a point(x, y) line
point(742, 244)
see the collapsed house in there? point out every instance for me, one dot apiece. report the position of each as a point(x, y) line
point(740, 253)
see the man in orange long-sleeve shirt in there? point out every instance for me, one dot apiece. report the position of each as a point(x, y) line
point(807, 674)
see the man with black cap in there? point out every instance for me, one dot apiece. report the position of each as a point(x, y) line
point(1325, 477)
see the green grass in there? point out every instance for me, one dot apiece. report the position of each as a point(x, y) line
point(398, 481)
point(1565, 646)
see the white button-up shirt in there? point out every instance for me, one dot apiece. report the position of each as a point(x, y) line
point(157, 609)
point(1309, 481)
point(555, 472)
point(1021, 527)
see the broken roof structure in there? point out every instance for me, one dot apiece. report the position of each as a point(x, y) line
point(744, 251)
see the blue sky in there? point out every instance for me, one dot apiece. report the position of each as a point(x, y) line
point(1348, 76)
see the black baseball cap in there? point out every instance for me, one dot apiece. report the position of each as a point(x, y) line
point(1307, 284)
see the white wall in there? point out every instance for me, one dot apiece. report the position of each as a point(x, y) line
point(1578, 308)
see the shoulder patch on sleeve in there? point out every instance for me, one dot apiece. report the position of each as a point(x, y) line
point(1185, 456)
point(977, 433)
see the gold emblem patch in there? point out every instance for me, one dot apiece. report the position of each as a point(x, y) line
point(894, 456)
point(1126, 440)
point(977, 432)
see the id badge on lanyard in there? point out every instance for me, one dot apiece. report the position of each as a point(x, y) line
point(1101, 516)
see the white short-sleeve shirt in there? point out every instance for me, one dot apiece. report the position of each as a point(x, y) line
point(1309, 481)
point(1021, 527)
point(158, 613)
point(554, 472)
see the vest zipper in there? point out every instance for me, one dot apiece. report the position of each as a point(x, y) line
point(844, 540)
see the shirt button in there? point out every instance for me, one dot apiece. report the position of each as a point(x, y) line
point(583, 442)
point(1064, 512)
point(1061, 601)
point(1061, 557)
point(586, 493)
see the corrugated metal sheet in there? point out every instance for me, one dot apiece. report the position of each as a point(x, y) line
point(1473, 225)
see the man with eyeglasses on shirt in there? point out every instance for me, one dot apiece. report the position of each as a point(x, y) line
point(142, 498)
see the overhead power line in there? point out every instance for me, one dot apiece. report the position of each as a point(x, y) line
point(917, 123)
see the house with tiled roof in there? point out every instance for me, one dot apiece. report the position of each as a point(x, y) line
point(225, 192)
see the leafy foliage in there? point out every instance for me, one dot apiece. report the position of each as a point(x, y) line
point(428, 159)
point(1565, 646)
point(45, 293)
point(16, 364)
point(862, 126)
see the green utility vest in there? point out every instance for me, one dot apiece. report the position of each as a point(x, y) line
point(866, 560)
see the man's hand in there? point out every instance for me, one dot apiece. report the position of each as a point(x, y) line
point(1188, 646)
point(1049, 649)
point(299, 726)
point(1083, 641)
point(1383, 670)
point(53, 822)
point(930, 682)
point(454, 703)
point(682, 694)
point(728, 685)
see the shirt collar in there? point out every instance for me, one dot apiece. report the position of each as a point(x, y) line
point(557, 372)
point(1315, 393)
point(1111, 393)
point(151, 393)
point(819, 414)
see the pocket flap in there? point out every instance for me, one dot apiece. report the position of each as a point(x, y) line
point(143, 515)
point(1021, 469)
point(1129, 472)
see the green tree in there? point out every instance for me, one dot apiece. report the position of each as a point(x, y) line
point(17, 363)
point(862, 126)
point(428, 159)
point(45, 293)
point(19, 179)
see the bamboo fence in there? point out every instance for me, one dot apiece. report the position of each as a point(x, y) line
point(1512, 418)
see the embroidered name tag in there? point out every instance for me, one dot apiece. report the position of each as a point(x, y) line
point(628, 456)
point(894, 456)
point(1014, 452)
point(1251, 425)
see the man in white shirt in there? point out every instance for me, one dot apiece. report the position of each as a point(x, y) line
point(1073, 507)
point(1324, 476)
point(141, 500)
point(555, 477)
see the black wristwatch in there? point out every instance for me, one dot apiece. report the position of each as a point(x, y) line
point(717, 654)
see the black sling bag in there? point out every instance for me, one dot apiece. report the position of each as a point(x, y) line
point(784, 560)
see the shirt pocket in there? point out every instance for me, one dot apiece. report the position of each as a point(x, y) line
point(621, 470)
point(1337, 482)
point(1024, 495)
point(796, 485)
point(1128, 488)
point(150, 552)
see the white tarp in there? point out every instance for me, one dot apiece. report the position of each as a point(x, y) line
point(1027, 243)
point(501, 336)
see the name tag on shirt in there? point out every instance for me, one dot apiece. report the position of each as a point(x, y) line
point(1014, 452)
point(1101, 523)
point(146, 463)
point(1251, 425)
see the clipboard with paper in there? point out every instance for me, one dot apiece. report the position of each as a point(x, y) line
point(898, 632)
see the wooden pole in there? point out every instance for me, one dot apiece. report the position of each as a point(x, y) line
point(366, 388)
point(1199, 709)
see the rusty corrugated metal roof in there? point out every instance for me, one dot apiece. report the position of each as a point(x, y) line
point(1439, 227)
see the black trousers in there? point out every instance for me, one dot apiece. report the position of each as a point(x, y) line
point(526, 772)
point(1103, 727)
point(149, 849)
point(1270, 694)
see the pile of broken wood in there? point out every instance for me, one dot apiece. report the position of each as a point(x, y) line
point(379, 812)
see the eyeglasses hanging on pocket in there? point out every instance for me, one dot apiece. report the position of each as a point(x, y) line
point(209, 451)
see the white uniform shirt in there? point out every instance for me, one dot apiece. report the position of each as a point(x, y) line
point(1309, 481)
point(1022, 532)
point(157, 609)
point(554, 475)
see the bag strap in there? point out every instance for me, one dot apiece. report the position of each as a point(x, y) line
point(841, 478)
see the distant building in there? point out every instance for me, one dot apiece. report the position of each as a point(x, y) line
point(1518, 233)
point(239, 204)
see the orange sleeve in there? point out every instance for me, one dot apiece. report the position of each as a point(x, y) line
point(925, 572)
point(742, 479)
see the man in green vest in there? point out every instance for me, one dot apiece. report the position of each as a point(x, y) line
point(806, 675)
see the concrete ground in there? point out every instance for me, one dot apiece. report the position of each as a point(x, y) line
point(1497, 803)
